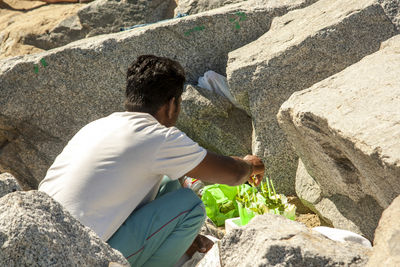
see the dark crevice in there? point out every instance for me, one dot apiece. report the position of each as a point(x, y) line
point(3, 143)
point(345, 166)
point(364, 213)
point(308, 121)
point(287, 237)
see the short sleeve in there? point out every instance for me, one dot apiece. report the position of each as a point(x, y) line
point(177, 155)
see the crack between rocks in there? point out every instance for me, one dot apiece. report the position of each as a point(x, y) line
point(4, 144)
point(287, 237)
point(219, 254)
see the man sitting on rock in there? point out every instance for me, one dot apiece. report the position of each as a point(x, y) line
point(110, 176)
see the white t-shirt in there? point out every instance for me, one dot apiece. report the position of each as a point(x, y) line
point(114, 164)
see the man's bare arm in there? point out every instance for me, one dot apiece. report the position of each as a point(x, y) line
point(228, 170)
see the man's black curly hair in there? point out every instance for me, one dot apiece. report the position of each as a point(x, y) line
point(151, 82)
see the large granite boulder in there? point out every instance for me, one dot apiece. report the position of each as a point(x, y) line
point(273, 240)
point(346, 130)
point(102, 17)
point(301, 48)
point(35, 230)
point(15, 25)
point(214, 122)
point(8, 184)
point(386, 250)
point(46, 98)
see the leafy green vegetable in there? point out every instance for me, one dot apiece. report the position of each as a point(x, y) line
point(252, 202)
point(223, 202)
point(227, 207)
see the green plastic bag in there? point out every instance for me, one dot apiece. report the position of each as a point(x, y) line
point(245, 214)
point(219, 200)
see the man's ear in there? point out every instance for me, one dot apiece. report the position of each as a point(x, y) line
point(171, 109)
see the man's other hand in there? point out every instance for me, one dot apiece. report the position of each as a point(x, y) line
point(257, 174)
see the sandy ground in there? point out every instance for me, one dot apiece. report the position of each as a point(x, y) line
point(305, 215)
point(30, 17)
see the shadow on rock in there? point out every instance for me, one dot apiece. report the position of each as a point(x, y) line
point(366, 205)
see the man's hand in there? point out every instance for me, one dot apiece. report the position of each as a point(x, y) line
point(228, 170)
point(257, 173)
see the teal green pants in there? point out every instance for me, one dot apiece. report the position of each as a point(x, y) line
point(159, 233)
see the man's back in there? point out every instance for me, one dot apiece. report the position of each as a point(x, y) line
point(116, 163)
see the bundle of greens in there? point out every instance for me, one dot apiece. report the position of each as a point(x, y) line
point(223, 202)
point(252, 202)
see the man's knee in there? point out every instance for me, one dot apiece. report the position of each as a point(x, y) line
point(190, 196)
point(197, 205)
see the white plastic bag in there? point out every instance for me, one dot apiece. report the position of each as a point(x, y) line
point(342, 235)
point(218, 84)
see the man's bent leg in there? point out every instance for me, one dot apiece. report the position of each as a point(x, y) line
point(168, 185)
point(159, 233)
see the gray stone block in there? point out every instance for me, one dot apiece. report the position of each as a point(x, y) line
point(302, 47)
point(35, 230)
point(273, 240)
point(346, 130)
point(386, 251)
point(214, 122)
point(102, 17)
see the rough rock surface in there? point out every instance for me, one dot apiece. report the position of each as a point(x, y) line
point(209, 228)
point(307, 188)
point(272, 240)
point(102, 17)
point(214, 122)
point(392, 10)
point(346, 130)
point(35, 230)
point(310, 194)
point(212, 258)
point(301, 48)
point(8, 184)
point(46, 98)
point(386, 251)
